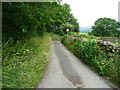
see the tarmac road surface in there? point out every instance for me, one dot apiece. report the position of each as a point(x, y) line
point(66, 71)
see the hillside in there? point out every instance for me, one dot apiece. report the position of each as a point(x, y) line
point(85, 29)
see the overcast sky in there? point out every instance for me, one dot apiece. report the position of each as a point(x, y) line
point(88, 11)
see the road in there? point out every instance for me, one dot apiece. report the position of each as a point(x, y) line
point(67, 71)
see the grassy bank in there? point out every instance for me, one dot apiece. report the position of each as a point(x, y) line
point(55, 37)
point(93, 55)
point(24, 62)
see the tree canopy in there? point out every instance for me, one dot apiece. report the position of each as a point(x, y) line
point(21, 19)
point(105, 27)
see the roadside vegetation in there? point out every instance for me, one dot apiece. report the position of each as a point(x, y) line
point(96, 56)
point(27, 30)
point(101, 58)
point(24, 62)
point(55, 37)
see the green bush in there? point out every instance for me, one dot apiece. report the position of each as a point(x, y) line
point(88, 50)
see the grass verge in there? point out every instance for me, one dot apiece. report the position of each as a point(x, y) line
point(55, 37)
point(24, 63)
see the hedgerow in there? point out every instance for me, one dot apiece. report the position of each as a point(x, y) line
point(94, 56)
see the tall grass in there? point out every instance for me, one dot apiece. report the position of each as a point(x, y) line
point(24, 62)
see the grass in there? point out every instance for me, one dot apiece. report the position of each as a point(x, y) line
point(55, 37)
point(24, 62)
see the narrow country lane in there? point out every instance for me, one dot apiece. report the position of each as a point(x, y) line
point(67, 71)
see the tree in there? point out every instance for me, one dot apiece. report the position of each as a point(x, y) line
point(21, 19)
point(118, 24)
point(105, 27)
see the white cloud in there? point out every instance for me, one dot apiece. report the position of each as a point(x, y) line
point(88, 11)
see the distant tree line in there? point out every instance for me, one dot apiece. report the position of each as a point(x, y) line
point(21, 19)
